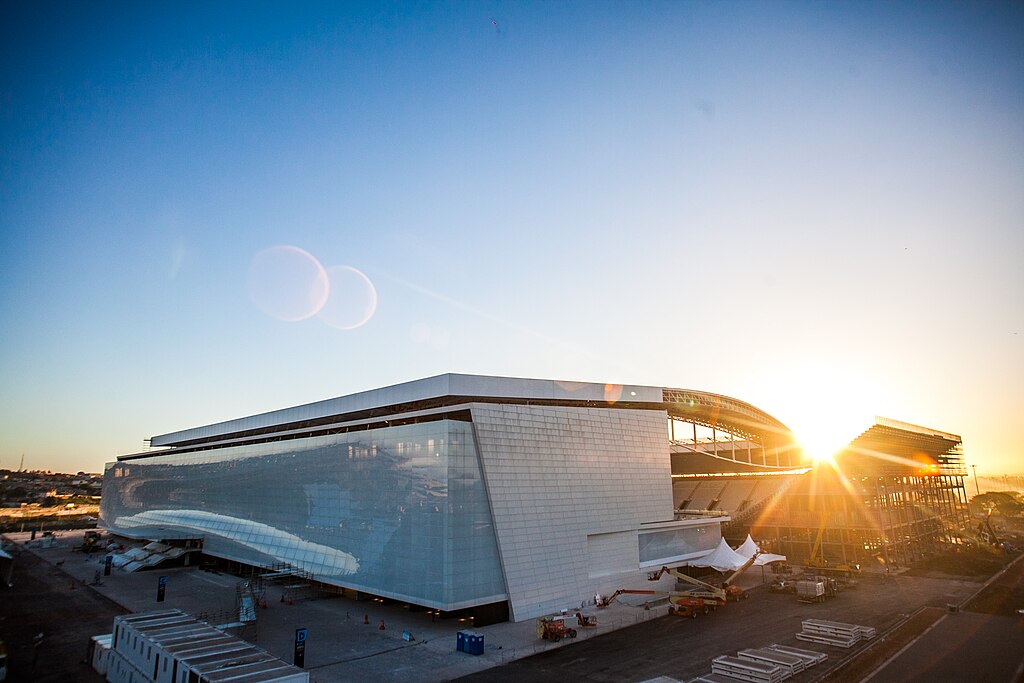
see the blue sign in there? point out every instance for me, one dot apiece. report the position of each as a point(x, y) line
point(299, 656)
point(163, 581)
point(161, 588)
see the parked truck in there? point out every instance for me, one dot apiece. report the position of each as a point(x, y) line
point(810, 590)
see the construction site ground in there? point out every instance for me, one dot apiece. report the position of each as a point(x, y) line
point(342, 648)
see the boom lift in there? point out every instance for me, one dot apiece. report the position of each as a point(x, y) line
point(701, 599)
point(727, 593)
point(681, 603)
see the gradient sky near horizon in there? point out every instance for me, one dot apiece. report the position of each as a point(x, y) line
point(814, 207)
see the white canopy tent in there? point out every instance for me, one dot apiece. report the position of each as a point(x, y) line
point(723, 559)
point(748, 548)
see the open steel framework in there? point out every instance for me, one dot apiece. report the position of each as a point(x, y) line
point(894, 495)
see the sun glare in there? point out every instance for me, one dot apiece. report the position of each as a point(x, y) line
point(825, 406)
point(821, 447)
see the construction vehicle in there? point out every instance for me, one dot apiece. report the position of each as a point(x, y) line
point(810, 591)
point(554, 629)
point(816, 589)
point(703, 598)
point(585, 620)
point(726, 593)
point(681, 603)
point(985, 530)
point(817, 559)
point(91, 542)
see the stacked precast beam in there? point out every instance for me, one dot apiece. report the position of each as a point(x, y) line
point(172, 647)
point(762, 665)
point(834, 633)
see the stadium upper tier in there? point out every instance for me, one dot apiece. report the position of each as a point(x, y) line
point(420, 399)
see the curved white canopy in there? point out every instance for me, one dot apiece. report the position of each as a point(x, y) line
point(749, 547)
point(723, 559)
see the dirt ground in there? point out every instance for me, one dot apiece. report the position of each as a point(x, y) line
point(975, 562)
point(71, 609)
point(1004, 595)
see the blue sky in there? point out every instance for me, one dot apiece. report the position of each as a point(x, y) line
point(814, 207)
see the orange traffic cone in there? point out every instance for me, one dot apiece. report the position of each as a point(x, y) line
point(381, 627)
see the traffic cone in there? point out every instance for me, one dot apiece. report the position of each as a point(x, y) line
point(381, 627)
point(366, 618)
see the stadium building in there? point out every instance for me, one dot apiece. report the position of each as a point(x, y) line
point(508, 497)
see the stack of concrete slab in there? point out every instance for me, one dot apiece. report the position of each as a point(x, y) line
point(834, 632)
point(812, 657)
point(713, 678)
point(755, 664)
point(790, 664)
point(748, 670)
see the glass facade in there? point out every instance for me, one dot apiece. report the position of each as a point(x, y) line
point(397, 511)
point(671, 544)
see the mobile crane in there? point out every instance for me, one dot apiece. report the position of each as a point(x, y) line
point(817, 559)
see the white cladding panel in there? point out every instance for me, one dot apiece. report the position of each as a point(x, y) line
point(431, 387)
point(556, 475)
point(609, 554)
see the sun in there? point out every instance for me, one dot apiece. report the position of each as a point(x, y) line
point(821, 445)
point(826, 406)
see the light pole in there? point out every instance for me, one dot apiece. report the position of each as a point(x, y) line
point(976, 487)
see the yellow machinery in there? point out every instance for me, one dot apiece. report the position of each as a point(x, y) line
point(817, 559)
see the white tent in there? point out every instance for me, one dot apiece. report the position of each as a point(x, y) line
point(723, 559)
point(749, 548)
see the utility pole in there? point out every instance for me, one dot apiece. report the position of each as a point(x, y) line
point(976, 487)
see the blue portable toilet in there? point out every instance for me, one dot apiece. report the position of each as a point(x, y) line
point(475, 643)
point(460, 641)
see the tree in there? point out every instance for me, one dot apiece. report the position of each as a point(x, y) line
point(1004, 503)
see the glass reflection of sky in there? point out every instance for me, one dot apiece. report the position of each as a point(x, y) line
point(400, 511)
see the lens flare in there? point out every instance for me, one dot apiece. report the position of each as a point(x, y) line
point(288, 283)
point(352, 300)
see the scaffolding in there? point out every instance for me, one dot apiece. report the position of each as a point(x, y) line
point(895, 495)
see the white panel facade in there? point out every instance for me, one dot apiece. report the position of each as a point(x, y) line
point(609, 554)
point(556, 475)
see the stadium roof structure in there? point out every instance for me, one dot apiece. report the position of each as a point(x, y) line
point(419, 399)
point(892, 447)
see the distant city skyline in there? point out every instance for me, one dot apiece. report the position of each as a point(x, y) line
point(208, 212)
